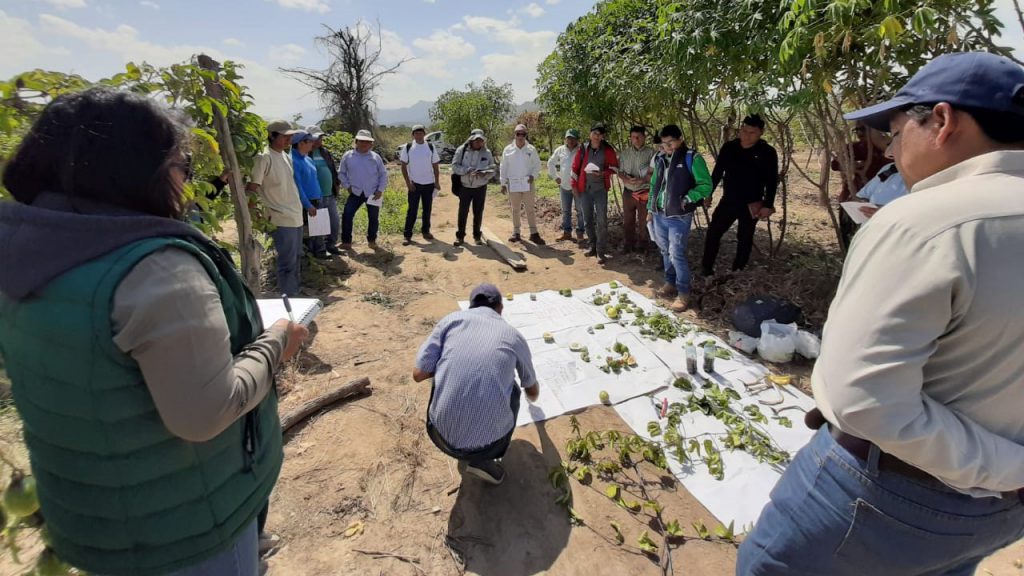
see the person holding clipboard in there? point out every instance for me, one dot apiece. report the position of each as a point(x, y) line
point(139, 362)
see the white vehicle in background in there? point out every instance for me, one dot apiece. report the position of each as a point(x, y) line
point(436, 140)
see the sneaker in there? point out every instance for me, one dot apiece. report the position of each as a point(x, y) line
point(268, 542)
point(591, 252)
point(407, 241)
point(372, 244)
point(515, 238)
point(346, 245)
point(490, 471)
point(681, 303)
point(428, 236)
point(458, 242)
point(565, 237)
point(334, 250)
point(579, 235)
point(602, 259)
point(479, 240)
point(536, 239)
point(667, 291)
point(322, 256)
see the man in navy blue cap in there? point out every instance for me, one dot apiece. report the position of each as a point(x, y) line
point(473, 356)
point(918, 464)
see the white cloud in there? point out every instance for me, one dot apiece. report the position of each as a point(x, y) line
point(287, 54)
point(306, 5)
point(444, 44)
point(149, 4)
point(233, 42)
point(526, 50)
point(67, 3)
point(552, 2)
point(22, 49)
point(534, 10)
point(274, 94)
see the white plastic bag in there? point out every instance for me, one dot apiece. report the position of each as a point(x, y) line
point(778, 341)
point(741, 341)
point(807, 345)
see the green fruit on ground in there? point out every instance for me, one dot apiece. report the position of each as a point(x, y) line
point(49, 564)
point(20, 496)
point(613, 284)
point(605, 399)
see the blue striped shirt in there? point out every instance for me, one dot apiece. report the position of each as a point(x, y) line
point(474, 356)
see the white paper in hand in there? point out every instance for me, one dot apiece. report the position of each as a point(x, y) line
point(378, 202)
point(592, 168)
point(854, 210)
point(320, 225)
point(519, 184)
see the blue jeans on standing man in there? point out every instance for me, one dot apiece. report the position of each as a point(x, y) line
point(833, 513)
point(352, 205)
point(288, 245)
point(673, 234)
point(330, 203)
point(595, 215)
point(568, 199)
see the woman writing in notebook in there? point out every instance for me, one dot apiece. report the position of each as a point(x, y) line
point(138, 359)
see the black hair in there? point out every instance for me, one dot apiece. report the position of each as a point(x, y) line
point(671, 131)
point(755, 121)
point(638, 130)
point(657, 139)
point(1002, 127)
point(104, 145)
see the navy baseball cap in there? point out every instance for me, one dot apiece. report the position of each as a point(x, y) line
point(484, 295)
point(967, 79)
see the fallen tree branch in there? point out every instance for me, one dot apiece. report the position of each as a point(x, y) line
point(310, 407)
point(414, 562)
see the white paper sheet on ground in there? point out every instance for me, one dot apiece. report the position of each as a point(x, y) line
point(745, 488)
point(319, 225)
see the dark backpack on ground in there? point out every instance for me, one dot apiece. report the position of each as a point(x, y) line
point(747, 317)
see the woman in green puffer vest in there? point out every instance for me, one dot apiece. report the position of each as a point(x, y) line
point(139, 362)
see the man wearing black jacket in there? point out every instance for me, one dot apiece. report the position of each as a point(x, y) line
point(749, 170)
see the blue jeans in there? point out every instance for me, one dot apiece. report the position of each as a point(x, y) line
point(288, 245)
point(595, 216)
point(832, 513)
point(352, 205)
point(568, 199)
point(241, 559)
point(673, 234)
point(330, 203)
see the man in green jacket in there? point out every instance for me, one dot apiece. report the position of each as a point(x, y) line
point(680, 183)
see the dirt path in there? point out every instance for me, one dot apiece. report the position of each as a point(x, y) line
point(369, 461)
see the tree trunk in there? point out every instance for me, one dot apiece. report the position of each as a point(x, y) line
point(248, 247)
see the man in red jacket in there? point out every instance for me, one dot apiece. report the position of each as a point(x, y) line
point(592, 172)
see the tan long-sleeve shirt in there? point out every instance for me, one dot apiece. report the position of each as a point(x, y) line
point(167, 315)
point(922, 351)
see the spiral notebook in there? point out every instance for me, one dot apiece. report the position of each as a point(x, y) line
point(304, 309)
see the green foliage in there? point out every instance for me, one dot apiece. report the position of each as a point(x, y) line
point(485, 106)
point(337, 143)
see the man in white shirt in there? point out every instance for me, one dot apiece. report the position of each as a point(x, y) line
point(560, 170)
point(520, 166)
point(420, 171)
point(918, 465)
point(273, 179)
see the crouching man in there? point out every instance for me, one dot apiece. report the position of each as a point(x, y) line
point(473, 356)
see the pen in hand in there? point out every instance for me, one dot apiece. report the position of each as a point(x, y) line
point(288, 307)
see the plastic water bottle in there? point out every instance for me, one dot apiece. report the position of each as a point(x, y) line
point(709, 357)
point(691, 358)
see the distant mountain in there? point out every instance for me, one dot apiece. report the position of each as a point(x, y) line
point(419, 113)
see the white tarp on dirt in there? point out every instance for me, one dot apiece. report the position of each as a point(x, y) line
point(569, 384)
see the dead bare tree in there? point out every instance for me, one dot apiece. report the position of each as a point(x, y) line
point(347, 86)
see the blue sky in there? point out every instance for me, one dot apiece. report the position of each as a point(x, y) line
point(453, 42)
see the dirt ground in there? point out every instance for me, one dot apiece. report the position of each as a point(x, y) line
point(369, 461)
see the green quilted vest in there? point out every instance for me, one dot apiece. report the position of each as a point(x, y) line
point(121, 495)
